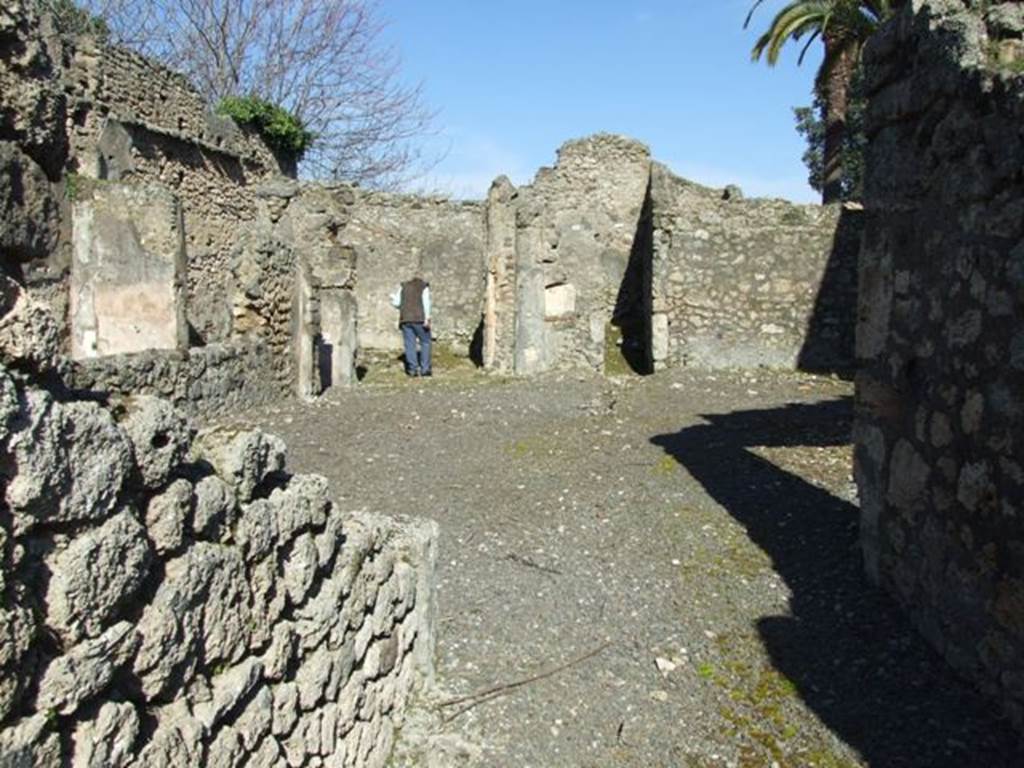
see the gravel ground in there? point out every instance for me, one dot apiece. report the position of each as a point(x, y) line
point(674, 558)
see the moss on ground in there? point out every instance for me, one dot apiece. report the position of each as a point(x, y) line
point(726, 552)
point(445, 358)
point(388, 367)
point(531, 447)
point(666, 466)
point(757, 701)
point(615, 363)
point(759, 706)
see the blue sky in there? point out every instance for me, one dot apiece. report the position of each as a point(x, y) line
point(512, 81)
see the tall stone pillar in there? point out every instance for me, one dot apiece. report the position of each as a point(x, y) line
point(500, 291)
point(337, 338)
point(305, 333)
point(531, 354)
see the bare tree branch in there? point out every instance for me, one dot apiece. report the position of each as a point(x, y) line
point(322, 60)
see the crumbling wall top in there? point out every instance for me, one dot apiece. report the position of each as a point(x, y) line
point(125, 85)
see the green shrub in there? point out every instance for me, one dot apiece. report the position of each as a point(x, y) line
point(280, 128)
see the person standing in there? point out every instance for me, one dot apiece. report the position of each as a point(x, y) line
point(413, 302)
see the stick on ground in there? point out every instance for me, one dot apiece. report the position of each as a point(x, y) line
point(473, 699)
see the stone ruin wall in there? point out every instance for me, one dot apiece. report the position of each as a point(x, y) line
point(81, 109)
point(132, 120)
point(218, 379)
point(168, 599)
point(497, 344)
point(393, 236)
point(552, 275)
point(289, 267)
point(611, 249)
point(940, 343)
point(743, 283)
point(129, 330)
point(576, 225)
point(79, 123)
point(607, 248)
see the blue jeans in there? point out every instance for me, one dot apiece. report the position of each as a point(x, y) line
point(410, 333)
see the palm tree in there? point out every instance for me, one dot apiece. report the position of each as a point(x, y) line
point(843, 26)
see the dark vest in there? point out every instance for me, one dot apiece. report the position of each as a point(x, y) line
point(411, 309)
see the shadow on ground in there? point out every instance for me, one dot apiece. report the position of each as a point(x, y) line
point(851, 653)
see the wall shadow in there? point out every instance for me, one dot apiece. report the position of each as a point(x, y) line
point(829, 341)
point(325, 362)
point(476, 345)
point(632, 312)
point(155, 147)
point(852, 654)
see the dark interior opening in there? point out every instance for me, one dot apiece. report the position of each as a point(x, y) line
point(633, 305)
point(324, 362)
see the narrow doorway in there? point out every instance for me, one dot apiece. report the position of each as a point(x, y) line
point(628, 337)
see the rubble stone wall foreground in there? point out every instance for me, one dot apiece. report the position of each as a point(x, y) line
point(940, 342)
point(169, 599)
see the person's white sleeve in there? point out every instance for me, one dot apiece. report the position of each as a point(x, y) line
point(396, 298)
point(426, 303)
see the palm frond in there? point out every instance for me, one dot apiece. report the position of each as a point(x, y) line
point(814, 36)
point(839, 22)
point(791, 23)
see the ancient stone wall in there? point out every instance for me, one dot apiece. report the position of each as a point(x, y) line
point(499, 335)
point(393, 236)
point(124, 293)
point(217, 379)
point(166, 195)
point(77, 108)
point(605, 249)
point(600, 258)
point(614, 257)
point(34, 212)
point(217, 201)
point(118, 83)
point(353, 247)
point(128, 274)
point(135, 120)
point(575, 229)
point(283, 266)
point(169, 599)
point(740, 283)
point(940, 342)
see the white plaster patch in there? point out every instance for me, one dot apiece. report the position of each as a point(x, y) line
point(559, 300)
